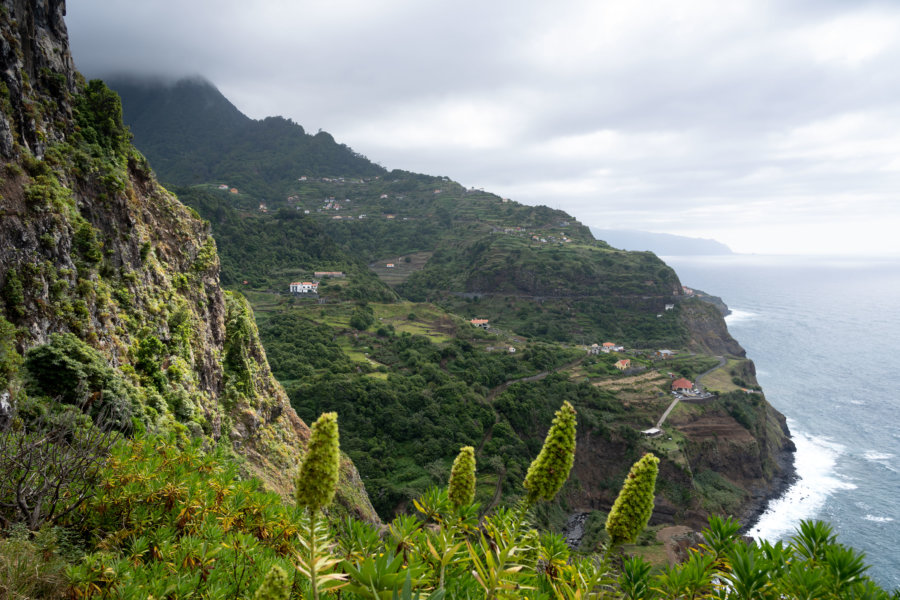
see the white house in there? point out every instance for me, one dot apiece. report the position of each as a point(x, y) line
point(305, 287)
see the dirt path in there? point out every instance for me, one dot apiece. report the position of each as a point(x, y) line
point(500, 388)
point(497, 491)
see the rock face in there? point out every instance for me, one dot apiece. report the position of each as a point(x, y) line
point(707, 330)
point(726, 455)
point(92, 246)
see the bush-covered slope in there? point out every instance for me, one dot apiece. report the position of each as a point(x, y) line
point(110, 286)
point(536, 273)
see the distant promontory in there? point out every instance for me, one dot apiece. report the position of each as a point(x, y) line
point(661, 244)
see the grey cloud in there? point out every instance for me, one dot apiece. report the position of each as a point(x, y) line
point(729, 90)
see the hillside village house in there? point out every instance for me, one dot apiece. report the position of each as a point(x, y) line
point(623, 364)
point(682, 386)
point(666, 354)
point(482, 323)
point(305, 287)
point(608, 347)
point(594, 349)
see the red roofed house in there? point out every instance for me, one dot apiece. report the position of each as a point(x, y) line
point(682, 385)
point(623, 364)
point(483, 323)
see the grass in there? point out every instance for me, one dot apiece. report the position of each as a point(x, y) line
point(654, 554)
point(401, 270)
point(428, 320)
point(669, 448)
point(720, 379)
point(355, 355)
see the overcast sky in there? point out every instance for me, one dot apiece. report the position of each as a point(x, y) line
point(771, 126)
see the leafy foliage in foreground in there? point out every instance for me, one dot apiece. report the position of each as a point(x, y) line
point(173, 520)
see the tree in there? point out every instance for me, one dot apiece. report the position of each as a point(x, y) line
point(50, 467)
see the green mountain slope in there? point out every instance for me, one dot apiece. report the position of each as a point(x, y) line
point(111, 298)
point(191, 134)
point(413, 381)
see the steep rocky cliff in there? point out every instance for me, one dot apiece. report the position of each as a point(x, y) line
point(706, 329)
point(97, 259)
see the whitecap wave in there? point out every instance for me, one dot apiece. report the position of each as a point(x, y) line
point(739, 316)
point(815, 463)
point(878, 519)
point(876, 456)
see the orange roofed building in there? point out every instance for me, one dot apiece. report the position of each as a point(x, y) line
point(682, 385)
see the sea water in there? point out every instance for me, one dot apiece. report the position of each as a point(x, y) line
point(824, 334)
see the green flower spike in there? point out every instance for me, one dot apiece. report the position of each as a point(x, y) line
point(632, 509)
point(275, 585)
point(462, 478)
point(549, 471)
point(318, 474)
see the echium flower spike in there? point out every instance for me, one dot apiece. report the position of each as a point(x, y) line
point(318, 473)
point(549, 471)
point(462, 478)
point(275, 586)
point(632, 509)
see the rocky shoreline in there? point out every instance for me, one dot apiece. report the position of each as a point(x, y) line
point(780, 484)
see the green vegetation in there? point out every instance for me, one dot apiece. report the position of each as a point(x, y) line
point(148, 379)
point(461, 489)
point(633, 507)
point(172, 519)
point(549, 471)
point(208, 140)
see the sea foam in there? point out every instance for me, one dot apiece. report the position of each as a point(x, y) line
point(876, 456)
point(739, 316)
point(815, 463)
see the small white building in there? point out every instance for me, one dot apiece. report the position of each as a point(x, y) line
point(305, 287)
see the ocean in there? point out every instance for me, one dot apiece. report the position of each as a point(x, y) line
point(824, 334)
